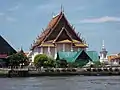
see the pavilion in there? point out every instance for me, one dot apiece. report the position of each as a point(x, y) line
point(80, 57)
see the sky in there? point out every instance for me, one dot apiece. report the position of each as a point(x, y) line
point(21, 21)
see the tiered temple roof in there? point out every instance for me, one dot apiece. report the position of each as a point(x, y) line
point(59, 31)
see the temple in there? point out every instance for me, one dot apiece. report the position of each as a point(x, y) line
point(58, 36)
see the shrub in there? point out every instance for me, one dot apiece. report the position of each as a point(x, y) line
point(44, 60)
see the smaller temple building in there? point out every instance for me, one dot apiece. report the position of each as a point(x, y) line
point(114, 59)
point(80, 57)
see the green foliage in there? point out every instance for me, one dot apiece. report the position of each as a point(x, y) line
point(50, 62)
point(40, 59)
point(72, 64)
point(62, 63)
point(97, 63)
point(78, 63)
point(44, 60)
point(16, 59)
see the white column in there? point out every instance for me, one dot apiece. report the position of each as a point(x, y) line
point(71, 48)
point(49, 53)
point(55, 55)
point(63, 47)
point(55, 50)
point(41, 50)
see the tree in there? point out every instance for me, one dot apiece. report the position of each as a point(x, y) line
point(44, 60)
point(50, 62)
point(40, 59)
point(17, 59)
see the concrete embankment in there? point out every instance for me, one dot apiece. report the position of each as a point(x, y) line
point(59, 72)
point(6, 72)
point(85, 72)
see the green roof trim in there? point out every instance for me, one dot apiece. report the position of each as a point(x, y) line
point(78, 53)
point(69, 56)
point(93, 55)
point(72, 56)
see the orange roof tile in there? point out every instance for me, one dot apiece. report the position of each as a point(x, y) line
point(49, 27)
point(53, 22)
point(111, 57)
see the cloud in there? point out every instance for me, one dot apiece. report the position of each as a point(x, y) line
point(101, 20)
point(11, 19)
point(14, 8)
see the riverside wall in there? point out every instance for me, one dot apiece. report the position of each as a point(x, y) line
point(59, 72)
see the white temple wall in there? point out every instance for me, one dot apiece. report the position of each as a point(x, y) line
point(68, 47)
point(84, 49)
point(35, 49)
point(75, 48)
point(33, 56)
point(39, 50)
point(52, 50)
point(59, 47)
point(45, 50)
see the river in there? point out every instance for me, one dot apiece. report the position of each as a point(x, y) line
point(61, 83)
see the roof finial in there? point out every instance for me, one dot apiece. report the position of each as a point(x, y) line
point(103, 43)
point(62, 8)
point(21, 50)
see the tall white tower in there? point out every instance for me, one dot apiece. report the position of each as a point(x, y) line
point(103, 54)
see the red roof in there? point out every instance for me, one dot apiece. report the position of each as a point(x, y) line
point(52, 24)
point(3, 55)
point(53, 21)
